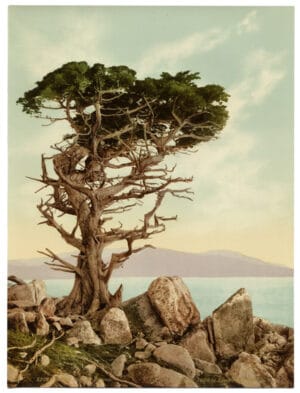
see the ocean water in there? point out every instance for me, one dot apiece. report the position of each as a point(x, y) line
point(272, 298)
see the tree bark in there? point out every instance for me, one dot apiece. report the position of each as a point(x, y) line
point(90, 290)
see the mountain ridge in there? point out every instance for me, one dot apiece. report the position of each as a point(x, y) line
point(155, 262)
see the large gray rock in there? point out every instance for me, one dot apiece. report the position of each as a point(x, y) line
point(44, 360)
point(196, 343)
point(172, 300)
point(33, 292)
point(143, 319)
point(271, 342)
point(141, 355)
point(83, 332)
point(62, 379)
point(249, 372)
point(90, 369)
point(114, 327)
point(30, 316)
point(289, 366)
point(85, 381)
point(13, 374)
point(176, 357)
point(42, 326)
point(99, 383)
point(152, 375)
point(233, 325)
point(275, 347)
point(263, 327)
point(282, 379)
point(48, 307)
point(24, 304)
point(17, 321)
point(66, 322)
point(117, 366)
point(207, 367)
point(141, 343)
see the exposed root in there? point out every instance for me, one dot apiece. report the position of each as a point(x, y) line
point(25, 346)
point(40, 351)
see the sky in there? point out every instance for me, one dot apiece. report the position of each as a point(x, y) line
point(243, 182)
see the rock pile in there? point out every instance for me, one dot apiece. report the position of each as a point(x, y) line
point(161, 340)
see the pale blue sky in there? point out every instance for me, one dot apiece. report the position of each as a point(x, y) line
point(243, 182)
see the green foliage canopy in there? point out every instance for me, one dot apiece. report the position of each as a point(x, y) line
point(112, 104)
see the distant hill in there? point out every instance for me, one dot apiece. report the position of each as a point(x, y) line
point(158, 262)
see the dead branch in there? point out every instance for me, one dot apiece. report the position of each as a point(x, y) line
point(16, 280)
point(61, 263)
point(46, 210)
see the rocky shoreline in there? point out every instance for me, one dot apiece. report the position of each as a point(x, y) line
point(156, 339)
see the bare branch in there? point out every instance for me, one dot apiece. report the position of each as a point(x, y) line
point(46, 212)
point(61, 263)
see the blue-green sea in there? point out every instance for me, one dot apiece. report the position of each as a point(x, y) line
point(272, 298)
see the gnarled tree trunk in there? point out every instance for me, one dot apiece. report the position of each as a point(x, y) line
point(90, 291)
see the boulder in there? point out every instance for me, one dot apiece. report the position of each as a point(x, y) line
point(17, 321)
point(172, 300)
point(45, 360)
point(140, 343)
point(13, 374)
point(270, 342)
point(114, 327)
point(54, 319)
point(63, 379)
point(115, 384)
point(160, 343)
point(66, 380)
point(141, 355)
point(177, 357)
point(90, 369)
point(72, 341)
point(249, 372)
point(30, 316)
point(117, 366)
point(208, 326)
point(276, 350)
point(150, 347)
point(282, 379)
point(66, 322)
point(47, 307)
point(263, 327)
point(144, 319)
point(196, 343)
point(152, 375)
point(207, 367)
point(233, 325)
point(57, 326)
point(99, 383)
point(33, 292)
point(85, 381)
point(24, 304)
point(289, 366)
point(83, 332)
point(42, 326)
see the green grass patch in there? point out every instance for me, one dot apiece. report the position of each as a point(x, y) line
point(63, 358)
